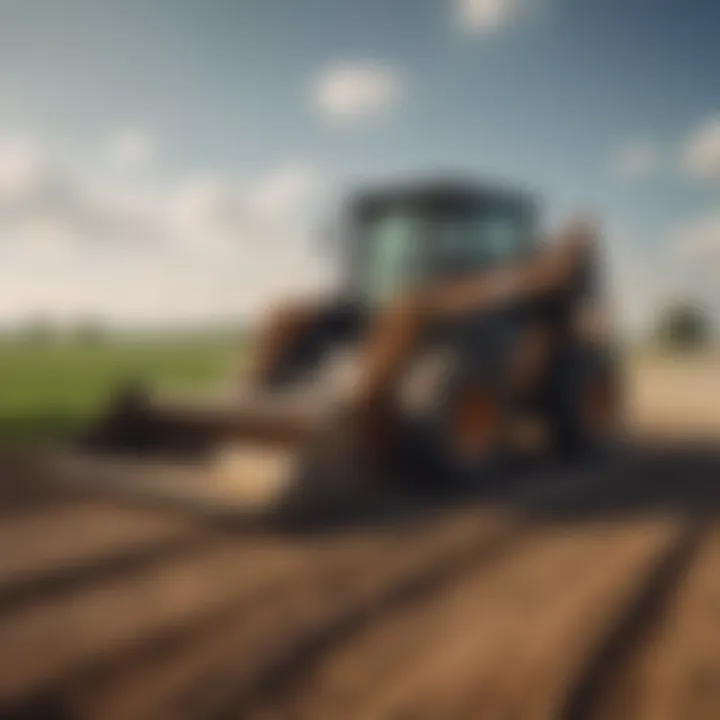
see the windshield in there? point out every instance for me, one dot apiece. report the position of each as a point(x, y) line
point(401, 249)
point(392, 257)
point(468, 242)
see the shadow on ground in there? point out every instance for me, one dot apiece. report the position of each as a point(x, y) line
point(637, 479)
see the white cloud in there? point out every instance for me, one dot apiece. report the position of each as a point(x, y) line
point(217, 210)
point(22, 167)
point(479, 16)
point(643, 281)
point(686, 267)
point(204, 208)
point(130, 149)
point(198, 210)
point(700, 238)
point(636, 160)
point(283, 190)
point(701, 151)
point(130, 247)
point(632, 280)
point(353, 90)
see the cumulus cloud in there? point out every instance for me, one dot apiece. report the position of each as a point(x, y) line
point(22, 167)
point(479, 16)
point(701, 151)
point(632, 280)
point(283, 190)
point(699, 238)
point(264, 211)
point(353, 90)
point(202, 208)
point(130, 149)
point(197, 245)
point(635, 160)
point(643, 281)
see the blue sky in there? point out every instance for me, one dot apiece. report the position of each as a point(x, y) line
point(131, 131)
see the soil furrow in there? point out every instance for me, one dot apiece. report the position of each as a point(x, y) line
point(673, 671)
point(247, 649)
point(467, 650)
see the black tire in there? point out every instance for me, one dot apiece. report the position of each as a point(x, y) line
point(473, 468)
point(576, 370)
point(431, 446)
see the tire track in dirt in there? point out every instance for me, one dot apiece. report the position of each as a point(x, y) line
point(472, 614)
point(647, 609)
point(493, 644)
point(673, 671)
point(47, 551)
point(238, 578)
point(206, 670)
point(22, 489)
point(56, 636)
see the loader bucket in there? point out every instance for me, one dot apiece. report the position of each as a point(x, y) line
point(137, 424)
point(260, 457)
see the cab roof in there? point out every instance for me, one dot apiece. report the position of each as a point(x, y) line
point(443, 194)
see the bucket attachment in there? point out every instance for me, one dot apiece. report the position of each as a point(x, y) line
point(138, 425)
point(269, 455)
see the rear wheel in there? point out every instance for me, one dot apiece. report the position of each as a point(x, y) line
point(584, 407)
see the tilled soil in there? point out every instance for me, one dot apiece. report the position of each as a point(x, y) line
point(569, 593)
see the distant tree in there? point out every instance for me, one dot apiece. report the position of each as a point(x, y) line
point(38, 330)
point(684, 327)
point(89, 331)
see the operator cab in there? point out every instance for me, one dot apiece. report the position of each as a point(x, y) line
point(415, 236)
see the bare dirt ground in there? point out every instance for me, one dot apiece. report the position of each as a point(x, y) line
point(564, 592)
point(677, 397)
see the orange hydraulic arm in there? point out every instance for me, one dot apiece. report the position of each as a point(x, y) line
point(284, 327)
point(395, 332)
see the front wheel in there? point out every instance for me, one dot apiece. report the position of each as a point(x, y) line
point(584, 402)
point(460, 443)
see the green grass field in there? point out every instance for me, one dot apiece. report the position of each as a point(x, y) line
point(50, 391)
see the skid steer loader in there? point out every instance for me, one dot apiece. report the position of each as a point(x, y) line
point(457, 333)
